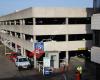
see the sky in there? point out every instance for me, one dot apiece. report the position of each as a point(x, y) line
point(8, 6)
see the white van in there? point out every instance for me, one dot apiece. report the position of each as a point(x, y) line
point(22, 62)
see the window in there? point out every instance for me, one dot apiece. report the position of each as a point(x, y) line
point(28, 21)
point(4, 22)
point(0, 23)
point(51, 37)
point(79, 20)
point(13, 33)
point(75, 37)
point(23, 60)
point(17, 22)
point(50, 21)
point(18, 35)
point(13, 45)
point(12, 22)
point(28, 37)
point(8, 32)
point(8, 22)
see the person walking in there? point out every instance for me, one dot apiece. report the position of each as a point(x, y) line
point(79, 69)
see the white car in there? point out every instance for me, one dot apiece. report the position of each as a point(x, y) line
point(22, 62)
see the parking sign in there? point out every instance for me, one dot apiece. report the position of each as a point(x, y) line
point(39, 45)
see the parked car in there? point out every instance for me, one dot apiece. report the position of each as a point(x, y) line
point(22, 63)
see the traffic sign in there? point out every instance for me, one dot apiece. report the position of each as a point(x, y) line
point(38, 49)
point(39, 45)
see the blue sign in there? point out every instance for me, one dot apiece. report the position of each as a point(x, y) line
point(46, 71)
point(39, 45)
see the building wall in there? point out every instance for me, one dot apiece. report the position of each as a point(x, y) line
point(61, 12)
point(95, 54)
point(95, 50)
point(95, 22)
point(41, 30)
point(61, 29)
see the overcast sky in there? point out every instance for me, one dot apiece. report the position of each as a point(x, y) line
point(8, 6)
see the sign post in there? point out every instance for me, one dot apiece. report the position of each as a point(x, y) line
point(38, 46)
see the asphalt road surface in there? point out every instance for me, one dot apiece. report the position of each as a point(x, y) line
point(8, 71)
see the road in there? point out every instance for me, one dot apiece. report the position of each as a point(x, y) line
point(8, 71)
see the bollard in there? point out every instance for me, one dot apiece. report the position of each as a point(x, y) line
point(78, 75)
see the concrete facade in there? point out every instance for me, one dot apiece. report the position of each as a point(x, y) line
point(95, 26)
point(21, 29)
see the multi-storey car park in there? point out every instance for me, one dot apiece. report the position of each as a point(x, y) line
point(65, 32)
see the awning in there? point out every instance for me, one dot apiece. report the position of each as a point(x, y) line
point(38, 53)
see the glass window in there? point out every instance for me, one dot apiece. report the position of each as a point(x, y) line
point(22, 60)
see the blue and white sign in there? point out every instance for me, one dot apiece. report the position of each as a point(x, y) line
point(39, 45)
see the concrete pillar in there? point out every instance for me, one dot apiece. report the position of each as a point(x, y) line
point(14, 22)
point(57, 61)
point(35, 64)
point(22, 36)
point(16, 49)
point(9, 22)
point(10, 33)
point(24, 52)
point(34, 22)
point(21, 22)
point(67, 21)
point(16, 34)
point(66, 37)
point(67, 58)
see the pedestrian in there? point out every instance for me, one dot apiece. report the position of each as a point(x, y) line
point(79, 69)
point(77, 75)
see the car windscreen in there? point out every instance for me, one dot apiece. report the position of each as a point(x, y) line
point(23, 60)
